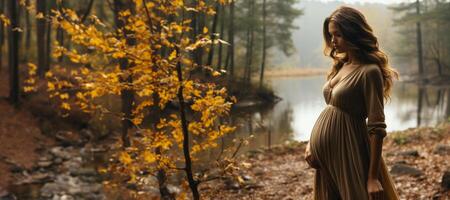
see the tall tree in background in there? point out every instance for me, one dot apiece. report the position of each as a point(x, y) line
point(250, 38)
point(2, 33)
point(264, 46)
point(41, 10)
point(423, 35)
point(48, 37)
point(222, 12)
point(213, 35)
point(127, 95)
point(28, 31)
point(13, 50)
point(419, 41)
point(230, 54)
point(59, 31)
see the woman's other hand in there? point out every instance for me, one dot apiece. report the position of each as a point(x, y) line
point(310, 159)
point(375, 189)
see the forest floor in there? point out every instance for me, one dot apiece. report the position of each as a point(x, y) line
point(417, 158)
point(20, 138)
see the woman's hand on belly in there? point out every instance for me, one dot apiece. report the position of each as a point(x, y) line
point(312, 162)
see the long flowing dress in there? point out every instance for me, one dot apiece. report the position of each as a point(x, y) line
point(340, 137)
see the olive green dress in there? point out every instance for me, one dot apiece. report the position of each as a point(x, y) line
point(340, 140)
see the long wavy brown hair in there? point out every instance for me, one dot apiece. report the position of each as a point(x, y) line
point(361, 41)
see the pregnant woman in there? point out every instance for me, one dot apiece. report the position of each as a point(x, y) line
point(344, 149)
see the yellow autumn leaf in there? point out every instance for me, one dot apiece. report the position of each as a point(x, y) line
point(40, 15)
point(173, 55)
point(205, 29)
point(118, 54)
point(216, 73)
point(64, 96)
point(139, 3)
point(125, 158)
point(48, 74)
point(149, 157)
point(28, 89)
point(65, 106)
point(50, 86)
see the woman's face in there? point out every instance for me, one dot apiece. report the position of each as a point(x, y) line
point(337, 41)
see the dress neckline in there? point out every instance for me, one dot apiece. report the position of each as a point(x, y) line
point(342, 79)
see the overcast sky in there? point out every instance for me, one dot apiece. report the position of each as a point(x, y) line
point(371, 1)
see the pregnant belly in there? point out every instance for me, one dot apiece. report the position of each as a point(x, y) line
point(335, 129)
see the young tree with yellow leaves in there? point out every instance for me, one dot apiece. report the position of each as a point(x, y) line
point(149, 58)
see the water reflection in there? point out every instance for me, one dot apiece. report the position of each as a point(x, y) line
point(294, 117)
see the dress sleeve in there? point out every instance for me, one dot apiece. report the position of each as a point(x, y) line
point(373, 98)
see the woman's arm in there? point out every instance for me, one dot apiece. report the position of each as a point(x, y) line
point(373, 94)
point(376, 146)
point(374, 187)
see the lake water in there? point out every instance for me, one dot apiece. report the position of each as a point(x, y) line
point(302, 101)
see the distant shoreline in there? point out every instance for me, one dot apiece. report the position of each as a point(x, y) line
point(294, 72)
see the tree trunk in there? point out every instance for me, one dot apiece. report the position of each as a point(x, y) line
point(419, 43)
point(249, 53)
point(222, 28)
point(264, 48)
point(193, 184)
point(213, 35)
point(195, 31)
point(200, 50)
point(162, 181)
point(230, 55)
point(13, 51)
point(420, 97)
point(2, 33)
point(87, 12)
point(27, 32)
point(48, 58)
point(60, 32)
point(40, 37)
point(127, 95)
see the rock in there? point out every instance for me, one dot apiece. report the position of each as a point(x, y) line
point(404, 169)
point(247, 177)
point(84, 189)
point(91, 179)
point(86, 133)
point(49, 189)
point(44, 164)
point(60, 152)
point(38, 177)
point(58, 161)
point(400, 162)
point(46, 157)
point(83, 172)
point(445, 183)
point(442, 149)
point(73, 163)
point(413, 153)
point(231, 183)
point(173, 189)
point(132, 186)
point(65, 197)
point(69, 138)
